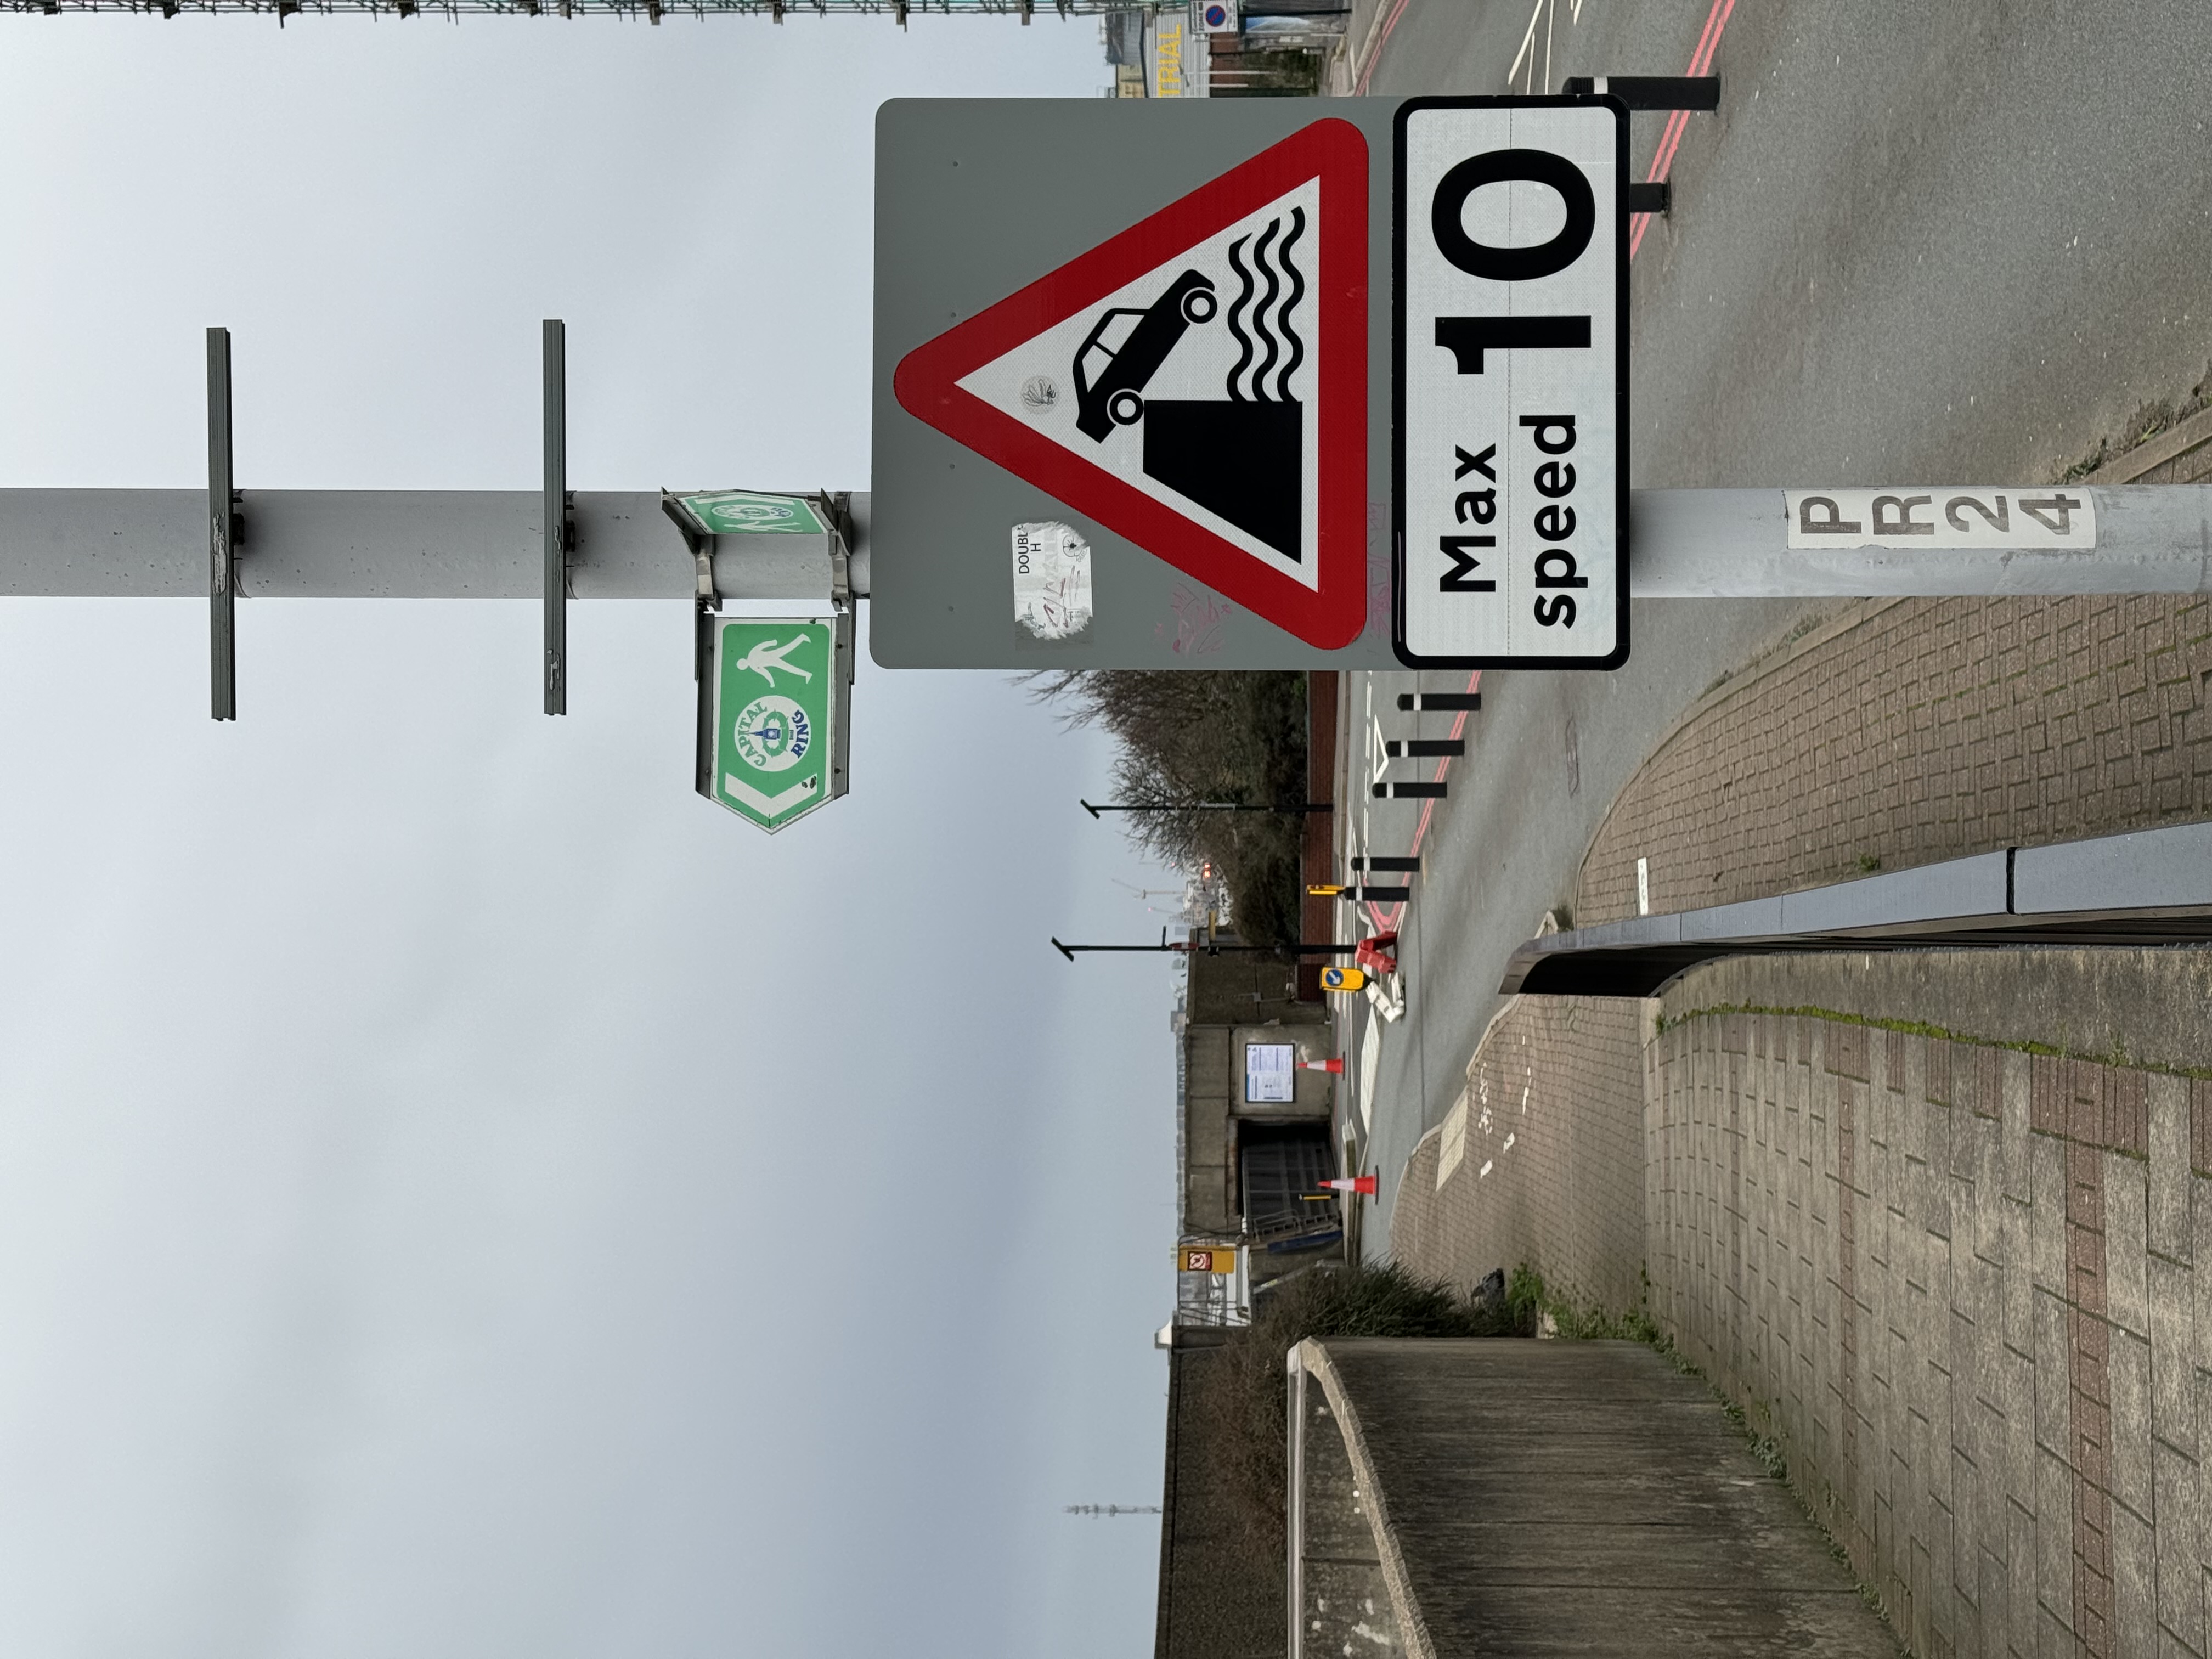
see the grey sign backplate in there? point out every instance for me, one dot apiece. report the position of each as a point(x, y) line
point(974, 200)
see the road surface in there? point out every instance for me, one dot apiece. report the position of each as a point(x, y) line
point(1917, 244)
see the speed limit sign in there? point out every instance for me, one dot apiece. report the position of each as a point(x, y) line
point(1510, 383)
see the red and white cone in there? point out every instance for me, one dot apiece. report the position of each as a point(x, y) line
point(1351, 1184)
point(1334, 1067)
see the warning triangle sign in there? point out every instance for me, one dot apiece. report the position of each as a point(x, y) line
point(1198, 383)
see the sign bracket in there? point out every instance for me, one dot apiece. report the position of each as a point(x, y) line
point(558, 515)
point(226, 523)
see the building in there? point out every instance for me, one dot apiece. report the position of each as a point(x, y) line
point(1256, 1127)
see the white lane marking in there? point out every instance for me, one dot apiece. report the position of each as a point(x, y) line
point(1371, 1067)
point(1527, 40)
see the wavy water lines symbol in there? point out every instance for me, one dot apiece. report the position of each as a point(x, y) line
point(1272, 336)
point(1235, 318)
point(1260, 311)
point(1297, 347)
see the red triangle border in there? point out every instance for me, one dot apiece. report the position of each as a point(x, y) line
point(1329, 615)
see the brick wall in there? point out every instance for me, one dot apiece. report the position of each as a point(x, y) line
point(1955, 1283)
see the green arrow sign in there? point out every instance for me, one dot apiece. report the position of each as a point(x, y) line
point(776, 747)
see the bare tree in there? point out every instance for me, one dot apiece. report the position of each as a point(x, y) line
point(1189, 736)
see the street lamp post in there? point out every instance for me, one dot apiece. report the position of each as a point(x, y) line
point(1303, 948)
point(1201, 806)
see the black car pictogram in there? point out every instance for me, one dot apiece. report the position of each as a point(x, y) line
point(1115, 396)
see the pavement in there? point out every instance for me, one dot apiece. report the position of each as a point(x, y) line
point(1931, 1220)
point(1915, 242)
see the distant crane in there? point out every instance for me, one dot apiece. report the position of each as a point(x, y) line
point(1113, 1508)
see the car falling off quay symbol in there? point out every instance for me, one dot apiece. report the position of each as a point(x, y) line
point(1197, 384)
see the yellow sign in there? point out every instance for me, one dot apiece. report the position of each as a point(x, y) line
point(1207, 1260)
point(1343, 979)
point(1167, 58)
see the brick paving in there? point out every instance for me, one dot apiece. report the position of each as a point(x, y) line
point(1550, 1169)
point(1909, 731)
point(1931, 728)
point(1954, 1281)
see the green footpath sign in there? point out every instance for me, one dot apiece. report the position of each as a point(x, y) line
point(746, 513)
point(774, 705)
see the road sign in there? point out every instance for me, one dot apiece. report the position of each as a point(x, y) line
point(745, 511)
point(774, 704)
point(1197, 383)
point(987, 206)
point(1213, 1260)
point(1509, 462)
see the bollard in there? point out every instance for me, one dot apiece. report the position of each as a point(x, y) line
point(1692, 92)
point(1416, 748)
point(1447, 702)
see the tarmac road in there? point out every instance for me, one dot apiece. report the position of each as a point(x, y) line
point(1917, 244)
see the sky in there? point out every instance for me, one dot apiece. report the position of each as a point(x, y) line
point(461, 1194)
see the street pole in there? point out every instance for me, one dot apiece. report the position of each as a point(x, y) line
point(489, 544)
point(1301, 948)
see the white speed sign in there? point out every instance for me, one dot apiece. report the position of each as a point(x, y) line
point(1511, 461)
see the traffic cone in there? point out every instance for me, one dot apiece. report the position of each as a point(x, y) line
point(1351, 1184)
point(1334, 1067)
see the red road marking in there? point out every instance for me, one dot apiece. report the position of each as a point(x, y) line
point(1380, 40)
point(1701, 61)
point(1384, 924)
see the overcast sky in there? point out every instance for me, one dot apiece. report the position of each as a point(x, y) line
point(461, 1194)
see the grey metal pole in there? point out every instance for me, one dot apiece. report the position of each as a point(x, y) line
point(1685, 544)
point(222, 535)
point(1735, 543)
point(364, 545)
point(554, 512)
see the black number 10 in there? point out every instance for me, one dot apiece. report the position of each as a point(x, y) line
point(1468, 338)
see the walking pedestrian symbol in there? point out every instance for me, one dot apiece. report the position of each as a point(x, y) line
point(774, 752)
point(1197, 384)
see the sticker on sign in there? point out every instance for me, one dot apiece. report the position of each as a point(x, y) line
point(1510, 460)
point(1906, 520)
point(1052, 581)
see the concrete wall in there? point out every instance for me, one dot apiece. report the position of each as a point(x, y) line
point(1208, 1170)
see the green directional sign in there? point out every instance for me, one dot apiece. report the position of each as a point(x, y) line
point(774, 707)
point(748, 513)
